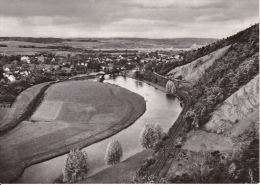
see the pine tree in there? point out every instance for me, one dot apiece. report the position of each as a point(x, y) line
point(114, 153)
point(75, 166)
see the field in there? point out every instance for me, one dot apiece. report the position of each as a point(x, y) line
point(72, 115)
point(20, 108)
point(3, 113)
point(41, 44)
point(120, 173)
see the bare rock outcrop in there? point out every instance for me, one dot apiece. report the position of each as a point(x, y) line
point(193, 71)
point(237, 107)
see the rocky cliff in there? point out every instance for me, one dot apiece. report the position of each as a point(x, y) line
point(237, 107)
point(193, 71)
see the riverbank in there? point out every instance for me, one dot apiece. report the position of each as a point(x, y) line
point(122, 172)
point(125, 171)
point(156, 86)
point(40, 140)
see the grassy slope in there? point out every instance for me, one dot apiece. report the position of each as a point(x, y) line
point(120, 173)
point(3, 113)
point(32, 142)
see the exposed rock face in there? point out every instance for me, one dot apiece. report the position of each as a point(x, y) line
point(193, 71)
point(237, 107)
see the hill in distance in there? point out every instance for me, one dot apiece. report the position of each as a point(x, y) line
point(111, 43)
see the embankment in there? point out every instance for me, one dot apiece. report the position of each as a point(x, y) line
point(23, 106)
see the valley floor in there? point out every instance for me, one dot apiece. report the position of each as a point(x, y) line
point(34, 141)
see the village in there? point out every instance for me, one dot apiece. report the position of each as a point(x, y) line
point(19, 72)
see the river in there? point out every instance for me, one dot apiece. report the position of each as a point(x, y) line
point(160, 108)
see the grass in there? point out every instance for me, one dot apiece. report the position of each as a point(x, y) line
point(120, 173)
point(88, 112)
point(21, 108)
point(83, 102)
point(3, 112)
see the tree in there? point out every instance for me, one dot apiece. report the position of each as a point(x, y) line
point(150, 135)
point(1, 72)
point(75, 166)
point(114, 153)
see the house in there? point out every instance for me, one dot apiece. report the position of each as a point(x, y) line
point(66, 69)
point(25, 59)
point(40, 59)
point(6, 70)
point(11, 78)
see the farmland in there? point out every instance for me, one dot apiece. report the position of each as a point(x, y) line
point(72, 114)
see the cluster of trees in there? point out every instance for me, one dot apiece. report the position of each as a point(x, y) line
point(151, 77)
point(76, 166)
point(240, 169)
point(8, 92)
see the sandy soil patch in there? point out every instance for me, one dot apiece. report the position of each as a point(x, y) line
point(200, 140)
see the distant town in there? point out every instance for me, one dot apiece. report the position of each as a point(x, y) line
point(24, 71)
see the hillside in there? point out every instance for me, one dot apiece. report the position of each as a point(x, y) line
point(193, 71)
point(221, 144)
point(243, 103)
point(232, 143)
point(224, 86)
point(109, 43)
point(246, 41)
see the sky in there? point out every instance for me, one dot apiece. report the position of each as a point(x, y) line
point(127, 18)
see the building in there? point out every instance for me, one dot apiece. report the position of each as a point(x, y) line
point(11, 78)
point(40, 59)
point(25, 59)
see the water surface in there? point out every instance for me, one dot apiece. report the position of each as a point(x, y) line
point(160, 108)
